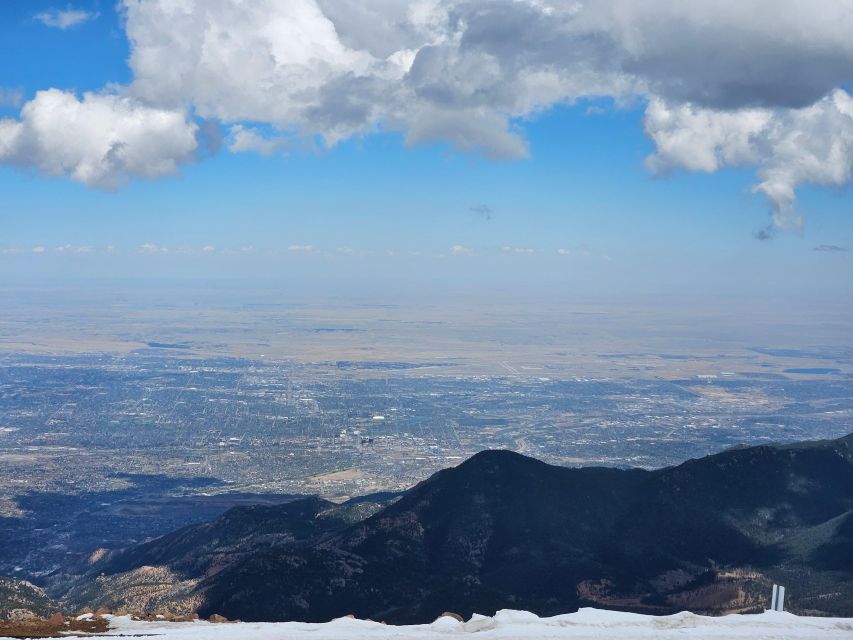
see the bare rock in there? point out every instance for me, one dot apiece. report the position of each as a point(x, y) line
point(99, 554)
point(22, 615)
point(217, 618)
point(57, 619)
point(451, 614)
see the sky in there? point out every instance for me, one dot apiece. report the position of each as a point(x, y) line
point(596, 146)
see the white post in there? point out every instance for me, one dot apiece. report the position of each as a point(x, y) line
point(780, 601)
point(775, 597)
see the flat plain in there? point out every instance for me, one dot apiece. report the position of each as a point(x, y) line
point(125, 415)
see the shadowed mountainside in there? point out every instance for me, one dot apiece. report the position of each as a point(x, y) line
point(505, 531)
point(19, 597)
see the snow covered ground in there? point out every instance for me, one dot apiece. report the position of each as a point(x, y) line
point(585, 624)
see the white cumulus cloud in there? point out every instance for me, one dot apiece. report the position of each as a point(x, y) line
point(726, 81)
point(789, 147)
point(757, 84)
point(99, 140)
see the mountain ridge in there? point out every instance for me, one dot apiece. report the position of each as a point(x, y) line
point(504, 530)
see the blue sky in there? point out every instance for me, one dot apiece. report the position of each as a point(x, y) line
point(580, 209)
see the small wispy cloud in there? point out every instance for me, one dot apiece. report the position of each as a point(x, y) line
point(71, 248)
point(184, 250)
point(151, 248)
point(583, 252)
point(830, 248)
point(64, 18)
point(242, 139)
point(38, 249)
point(509, 249)
point(482, 210)
point(765, 233)
point(11, 250)
point(244, 250)
point(301, 248)
point(461, 250)
point(11, 97)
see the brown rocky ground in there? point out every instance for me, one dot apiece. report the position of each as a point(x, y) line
point(53, 627)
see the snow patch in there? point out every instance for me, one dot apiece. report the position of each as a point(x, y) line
point(586, 624)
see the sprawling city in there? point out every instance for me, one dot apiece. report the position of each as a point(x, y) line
point(162, 426)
